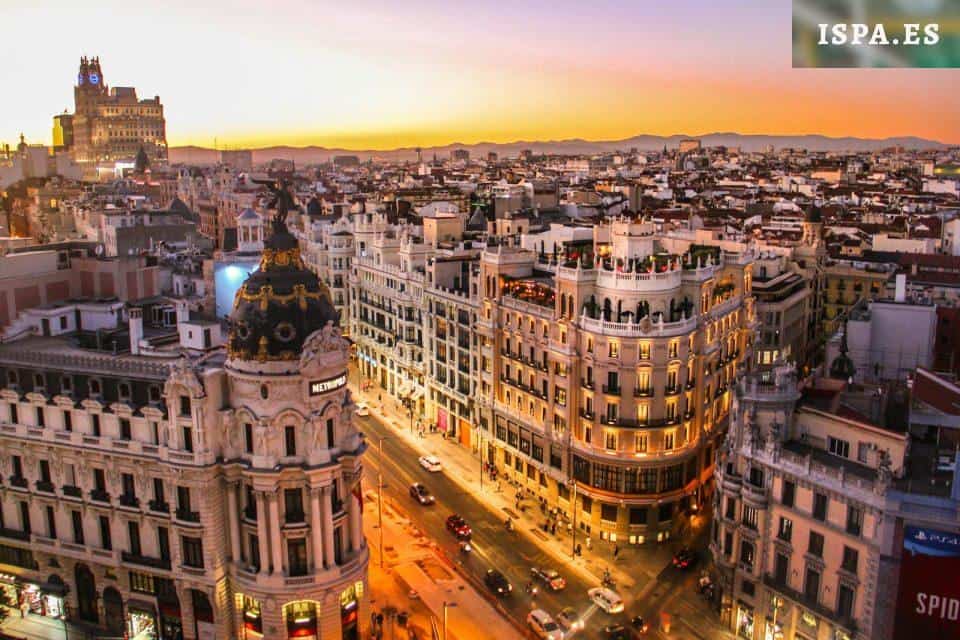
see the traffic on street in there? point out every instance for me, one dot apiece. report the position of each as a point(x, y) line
point(505, 564)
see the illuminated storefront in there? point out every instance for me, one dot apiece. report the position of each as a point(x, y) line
point(745, 622)
point(252, 616)
point(301, 620)
point(349, 611)
point(141, 620)
point(39, 599)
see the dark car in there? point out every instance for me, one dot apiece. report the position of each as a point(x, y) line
point(419, 493)
point(684, 558)
point(617, 632)
point(498, 583)
point(459, 527)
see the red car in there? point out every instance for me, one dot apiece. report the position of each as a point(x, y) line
point(684, 558)
point(459, 527)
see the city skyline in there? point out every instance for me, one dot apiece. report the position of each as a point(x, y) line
point(429, 76)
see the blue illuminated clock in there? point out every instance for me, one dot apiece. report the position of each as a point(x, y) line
point(94, 78)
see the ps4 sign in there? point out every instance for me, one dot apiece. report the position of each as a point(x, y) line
point(318, 387)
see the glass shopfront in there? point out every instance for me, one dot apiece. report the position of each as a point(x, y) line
point(301, 620)
point(349, 611)
point(774, 631)
point(252, 618)
point(142, 622)
point(745, 622)
point(43, 600)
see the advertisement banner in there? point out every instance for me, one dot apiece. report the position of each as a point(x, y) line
point(928, 602)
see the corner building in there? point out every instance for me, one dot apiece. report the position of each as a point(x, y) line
point(605, 376)
point(190, 492)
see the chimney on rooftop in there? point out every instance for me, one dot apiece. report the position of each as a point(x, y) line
point(900, 295)
point(136, 329)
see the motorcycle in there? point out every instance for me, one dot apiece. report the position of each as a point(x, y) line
point(532, 589)
point(509, 524)
point(607, 580)
point(465, 546)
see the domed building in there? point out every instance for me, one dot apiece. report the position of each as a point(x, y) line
point(294, 471)
point(207, 488)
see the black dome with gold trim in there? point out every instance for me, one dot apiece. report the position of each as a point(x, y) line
point(279, 305)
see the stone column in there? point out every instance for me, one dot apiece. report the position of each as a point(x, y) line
point(276, 540)
point(356, 527)
point(234, 517)
point(328, 556)
point(263, 538)
point(316, 529)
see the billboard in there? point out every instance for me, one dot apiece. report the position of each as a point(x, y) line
point(928, 601)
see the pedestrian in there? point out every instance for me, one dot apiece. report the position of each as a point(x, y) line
point(579, 550)
point(589, 544)
point(553, 528)
point(616, 551)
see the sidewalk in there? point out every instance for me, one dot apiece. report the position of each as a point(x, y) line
point(634, 568)
point(417, 580)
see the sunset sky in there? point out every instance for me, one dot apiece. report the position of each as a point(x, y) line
point(364, 74)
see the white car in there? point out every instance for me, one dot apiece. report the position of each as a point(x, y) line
point(362, 409)
point(606, 599)
point(543, 625)
point(431, 463)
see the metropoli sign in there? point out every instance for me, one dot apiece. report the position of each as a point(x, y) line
point(318, 387)
point(928, 602)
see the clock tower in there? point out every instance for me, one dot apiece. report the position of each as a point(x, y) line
point(90, 86)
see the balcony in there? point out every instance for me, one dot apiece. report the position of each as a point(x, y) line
point(15, 534)
point(129, 501)
point(643, 392)
point(72, 491)
point(187, 516)
point(159, 506)
point(250, 513)
point(588, 415)
point(19, 481)
point(672, 391)
point(45, 486)
point(731, 481)
point(99, 495)
point(587, 384)
point(145, 561)
point(756, 496)
point(611, 389)
point(295, 518)
point(810, 602)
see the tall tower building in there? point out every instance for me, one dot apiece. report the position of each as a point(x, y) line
point(111, 124)
point(297, 458)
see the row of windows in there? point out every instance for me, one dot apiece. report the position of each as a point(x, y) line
point(192, 547)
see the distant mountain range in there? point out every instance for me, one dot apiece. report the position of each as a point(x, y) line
point(575, 146)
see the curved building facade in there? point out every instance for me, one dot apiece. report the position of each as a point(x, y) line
point(609, 372)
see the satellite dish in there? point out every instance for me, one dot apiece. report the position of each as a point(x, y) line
point(99, 250)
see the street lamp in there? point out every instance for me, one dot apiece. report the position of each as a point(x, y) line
point(380, 440)
point(573, 531)
point(446, 605)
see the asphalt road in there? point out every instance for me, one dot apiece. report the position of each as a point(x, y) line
point(514, 553)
